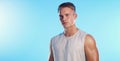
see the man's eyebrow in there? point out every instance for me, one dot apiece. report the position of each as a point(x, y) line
point(60, 15)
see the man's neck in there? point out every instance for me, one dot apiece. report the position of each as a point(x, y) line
point(70, 31)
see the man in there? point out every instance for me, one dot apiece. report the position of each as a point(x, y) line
point(73, 44)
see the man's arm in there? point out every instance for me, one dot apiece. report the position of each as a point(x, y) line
point(51, 58)
point(91, 49)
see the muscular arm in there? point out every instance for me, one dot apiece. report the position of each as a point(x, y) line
point(91, 49)
point(51, 58)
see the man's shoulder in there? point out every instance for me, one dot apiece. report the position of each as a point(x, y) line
point(57, 36)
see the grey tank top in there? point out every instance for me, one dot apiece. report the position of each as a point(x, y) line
point(69, 48)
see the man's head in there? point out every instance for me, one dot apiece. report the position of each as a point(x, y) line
point(67, 4)
point(67, 14)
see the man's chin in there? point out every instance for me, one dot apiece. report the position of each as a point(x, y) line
point(65, 27)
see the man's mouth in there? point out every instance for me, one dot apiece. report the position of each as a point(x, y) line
point(64, 22)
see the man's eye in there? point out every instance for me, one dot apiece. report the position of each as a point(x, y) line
point(67, 14)
point(60, 16)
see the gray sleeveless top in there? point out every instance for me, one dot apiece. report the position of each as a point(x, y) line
point(69, 48)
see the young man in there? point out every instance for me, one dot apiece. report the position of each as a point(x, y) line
point(73, 44)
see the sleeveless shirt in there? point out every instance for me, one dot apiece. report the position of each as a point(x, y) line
point(69, 48)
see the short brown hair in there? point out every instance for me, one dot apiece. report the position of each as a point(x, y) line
point(67, 4)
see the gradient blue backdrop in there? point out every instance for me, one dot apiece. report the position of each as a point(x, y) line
point(26, 27)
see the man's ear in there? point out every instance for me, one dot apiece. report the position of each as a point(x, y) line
point(75, 15)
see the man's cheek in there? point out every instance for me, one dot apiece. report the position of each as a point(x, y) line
point(73, 21)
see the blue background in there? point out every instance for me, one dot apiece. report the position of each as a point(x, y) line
point(26, 27)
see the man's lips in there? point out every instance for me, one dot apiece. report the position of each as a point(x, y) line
point(64, 22)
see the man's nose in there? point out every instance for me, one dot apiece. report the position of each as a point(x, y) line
point(64, 18)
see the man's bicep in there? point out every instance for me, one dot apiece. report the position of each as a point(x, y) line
point(91, 49)
point(51, 58)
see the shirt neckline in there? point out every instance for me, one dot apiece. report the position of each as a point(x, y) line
point(69, 37)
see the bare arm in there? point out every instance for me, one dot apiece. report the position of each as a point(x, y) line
point(51, 58)
point(91, 49)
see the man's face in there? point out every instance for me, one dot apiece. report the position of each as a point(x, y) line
point(67, 17)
